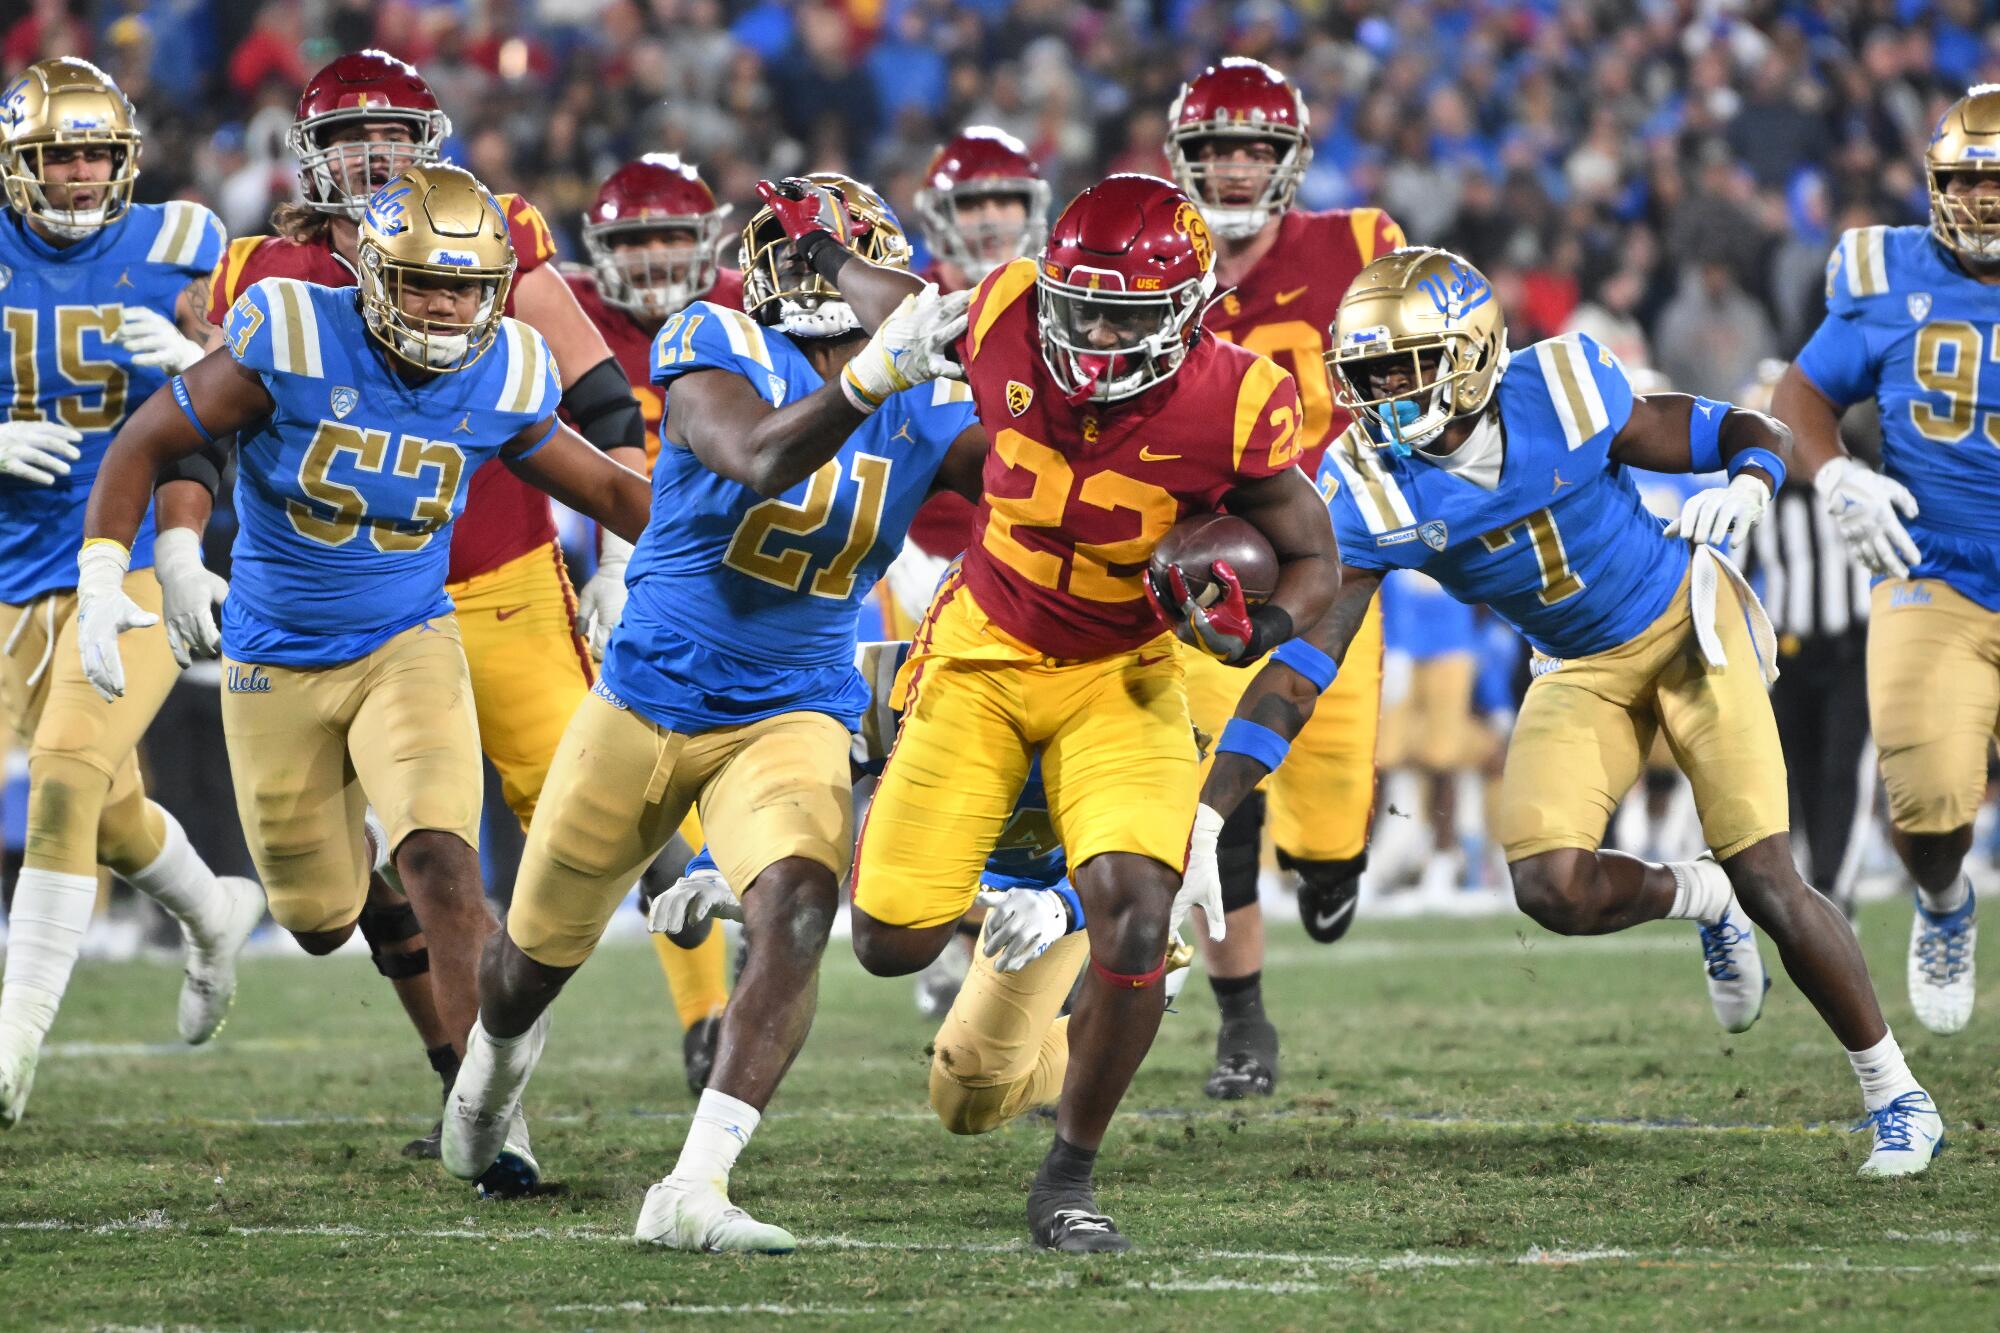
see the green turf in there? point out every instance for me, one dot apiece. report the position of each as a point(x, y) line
point(1431, 1161)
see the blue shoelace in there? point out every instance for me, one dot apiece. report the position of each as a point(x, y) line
point(1716, 942)
point(1941, 949)
point(1891, 1123)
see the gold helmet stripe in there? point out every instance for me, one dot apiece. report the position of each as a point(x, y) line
point(1578, 403)
point(1867, 270)
point(746, 337)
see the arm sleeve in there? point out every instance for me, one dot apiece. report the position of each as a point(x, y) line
point(534, 245)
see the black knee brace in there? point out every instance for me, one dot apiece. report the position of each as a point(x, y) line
point(1327, 893)
point(1236, 852)
point(382, 926)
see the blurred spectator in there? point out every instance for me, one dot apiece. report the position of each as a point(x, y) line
point(1712, 335)
point(271, 53)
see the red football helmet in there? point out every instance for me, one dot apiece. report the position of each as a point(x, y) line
point(982, 164)
point(652, 235)
point(362, 88)
point(1243, 100)
point(1120, 288)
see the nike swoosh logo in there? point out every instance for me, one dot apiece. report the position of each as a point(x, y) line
point(1146, 455)
point(1286, 298)
point(1328, 920)
point(1155, 660)
point(510, 612)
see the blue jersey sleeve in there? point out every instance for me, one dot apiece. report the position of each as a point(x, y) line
point(1350, 530)
point(1837, 361)
point(248, 328)
point(523, 379)
point(213, 240)
point(1613, 385)
point(713, 337)
point(939, 411)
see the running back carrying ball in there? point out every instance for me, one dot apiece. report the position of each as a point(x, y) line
point(1208, 579)
point(1198, 541)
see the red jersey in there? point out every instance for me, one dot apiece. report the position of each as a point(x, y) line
point(504, 516)
point(631, 340)
point(1077, 497)
point(1286, 303)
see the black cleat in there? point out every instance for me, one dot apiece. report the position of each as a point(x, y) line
point(1067, 1220)
point(1328, 909)
point(1246, 1060)
point(698, 1052)
point(428, 1148)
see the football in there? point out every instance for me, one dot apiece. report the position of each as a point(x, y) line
point(1199, 540)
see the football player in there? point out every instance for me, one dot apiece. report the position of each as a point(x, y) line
point(796, 447)
point(360, 120)
point(97, 297)
point(1237, 139)
point(1112, 417)
point(1911, 322)
point(1505, 481)
point(652, 234)
point(363, 414)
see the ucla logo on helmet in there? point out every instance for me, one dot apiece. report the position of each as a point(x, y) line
point(1464, 292)
point(14, 105)
point(1433, 533)
point(386, 211)
point(455, 258)
point(344, 400)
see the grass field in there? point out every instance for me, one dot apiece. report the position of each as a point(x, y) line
point(1479, 1125)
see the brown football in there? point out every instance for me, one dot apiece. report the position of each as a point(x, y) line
point(1199, 540)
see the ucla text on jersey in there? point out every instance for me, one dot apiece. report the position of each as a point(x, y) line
point(743, 607)
point(347, 492)
point(1562, 547)
point(1907, 326)
point(59, 307)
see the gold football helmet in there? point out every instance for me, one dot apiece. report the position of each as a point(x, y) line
point(1966, 142)
point(433, 225)
point(1432, 312)
point(67, 104)
point(778, 293)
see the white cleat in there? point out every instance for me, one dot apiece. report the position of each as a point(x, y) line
point(695, 1215)
point(1736, 977)
point(482, 1112)
point(1909, 1132)
point(1941, 967)
point(17, 1076)
point(209, 986)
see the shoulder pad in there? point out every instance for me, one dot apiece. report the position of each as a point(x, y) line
point(530, 386)
point(190, 236)
point(707, 336)
point(1585, 383)
point(1858, 269)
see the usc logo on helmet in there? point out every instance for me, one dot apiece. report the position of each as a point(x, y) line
point(1187, 221)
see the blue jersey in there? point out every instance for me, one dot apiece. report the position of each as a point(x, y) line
point(1422, 620)
point(1906, 326)
point(1561, 548)
point(347, 491)
point(59, 307)
point(742, 607)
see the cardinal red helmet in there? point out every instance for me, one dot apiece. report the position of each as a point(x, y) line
point(1243, 100)
point(362, 88)
point(983, 163)
point(652, 236)
point(1120, 287)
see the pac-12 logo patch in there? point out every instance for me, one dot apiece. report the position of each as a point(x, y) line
point(344, 400)
point(1019, 396)
point(1920, 305)
point(1433, 533)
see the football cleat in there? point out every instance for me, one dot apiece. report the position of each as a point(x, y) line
point(1941, 967)
point(208, 987)
point(1737, 980)
point(18, 1055)
point(427, 1148)
point(938, 985)
point(1909, 1132)
point(698, 1052)
point(1327, 907)
point(695, 1215)
point(1067, 1220)
point(482, 1110)
point(515, 1173)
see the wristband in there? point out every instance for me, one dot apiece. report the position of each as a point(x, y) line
point(1762, 458)
point(857, 397)
point(1269, 627)
point(1253, 740)
point(1705, 435)
point(187, 410)
point(1071, 904)
point(824, 254)
point(1309, 662)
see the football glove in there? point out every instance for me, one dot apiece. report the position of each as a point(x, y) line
point(1722, 515)
point(103, 612)
point(912, 347)
point(602, 600)
point(154, 340)
point(1201, 885)
point(694, 897)
point(803, 208)
point(189, 594)
point(1863, 505)
point(37, 451)
point(1021, 924)
point(1224, 630)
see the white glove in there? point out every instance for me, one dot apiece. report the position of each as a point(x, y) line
point(693, 898)
point(37, 451)
point(1863, 505)
point(1201, 886)
point(602, 600)
point(103, 612)
point(153, 340)
point(189, 594)
point(912, 347)
point(1722, 515)
point(1021, 924)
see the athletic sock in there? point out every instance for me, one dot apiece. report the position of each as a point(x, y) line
point(445, 1061)
point(1947, 900)
point(1067, 1167)
point(181, 882)
point(1883, 1073)
point(721, 1130)
point(1241, 999)
point(44, 933)
point(1701, 891)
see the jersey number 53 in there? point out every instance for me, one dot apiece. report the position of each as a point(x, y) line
point(349, 508)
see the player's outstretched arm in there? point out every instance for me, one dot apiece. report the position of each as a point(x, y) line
point(819, 227)
point(1674, 432)
point(552, 457)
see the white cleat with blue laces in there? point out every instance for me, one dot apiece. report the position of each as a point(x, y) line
point(1909, 1132)
point(1941, 963)
point(684, 1214)
point(1736, 976)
